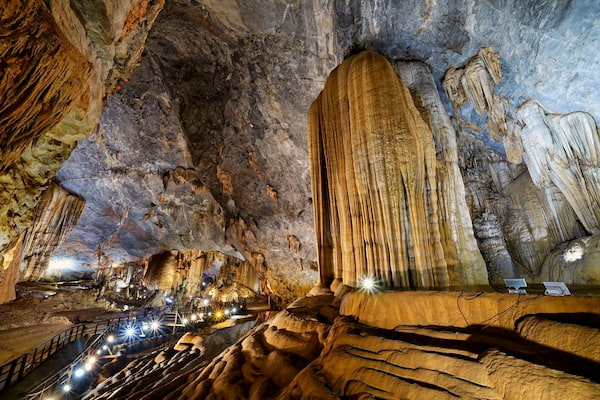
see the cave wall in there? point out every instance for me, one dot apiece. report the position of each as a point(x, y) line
point(59, 59)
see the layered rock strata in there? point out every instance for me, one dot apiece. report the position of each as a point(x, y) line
point(375, 187)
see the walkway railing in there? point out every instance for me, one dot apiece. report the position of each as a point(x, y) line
point(15, 370)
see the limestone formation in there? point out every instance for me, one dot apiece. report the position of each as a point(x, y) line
point(474, 84)
point(56, 90)
point(193, 273)
point(42, 74)
point(57, 213)
point(463, 257)
point(308, 352)
point(375, 185)
point(563, 151)
point(10, 268)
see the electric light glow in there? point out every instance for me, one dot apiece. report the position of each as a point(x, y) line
point(368, 284)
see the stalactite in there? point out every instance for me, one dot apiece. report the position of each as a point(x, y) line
point(374, 180)
point(57, 213)
point(474, 83)
point(41, 76)
point(10, 265)
point(563, 150)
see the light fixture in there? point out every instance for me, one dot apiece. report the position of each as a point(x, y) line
point(233, 310)
point(185, 320)
point(129, 332)
point(516, 285)
point(206, 301)
point(66, 388)
point(154, 325)
point(227, 311)
point(556, 289)
point(201, 315)
point(105, 347)
point(79, 372)
point(110, 339)
point(368, 284)
point(193, 317)
point(218, 314)
point(100, 351)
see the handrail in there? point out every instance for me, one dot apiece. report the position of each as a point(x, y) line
point(61, 377)
point(14, 370)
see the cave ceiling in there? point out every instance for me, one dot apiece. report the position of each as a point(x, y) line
point(204, 144)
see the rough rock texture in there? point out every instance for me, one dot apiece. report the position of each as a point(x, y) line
point(42, 74)
point(308, 352)
point(144, 195)
point(57, 212)
point(74, 42)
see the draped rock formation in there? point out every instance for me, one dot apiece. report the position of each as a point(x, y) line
point(463, 257)
point(190, 273)
point(58, 211)
point(523, 211)
point(474, 83)
point(41, 75)
point(374, 180)
point(564, 151)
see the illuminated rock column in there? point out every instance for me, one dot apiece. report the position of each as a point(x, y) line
point(56, 214)
point(374, 182)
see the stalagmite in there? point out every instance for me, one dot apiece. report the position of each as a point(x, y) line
point(464, 260)
point(374, 180)
point(57, 213)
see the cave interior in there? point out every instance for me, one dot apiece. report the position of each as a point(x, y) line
point(368, 199)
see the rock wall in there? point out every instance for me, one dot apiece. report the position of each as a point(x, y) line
point(57, 64)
